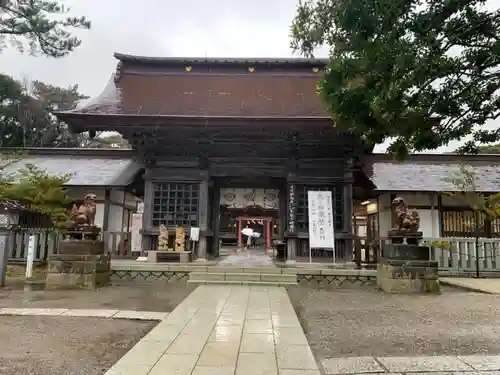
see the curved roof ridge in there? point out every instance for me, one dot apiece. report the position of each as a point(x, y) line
point(292, 61)
point(108, 99)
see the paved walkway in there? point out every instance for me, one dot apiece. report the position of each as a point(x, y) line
point(89, 313)
point(490, 286)
point(222, 330)
point(248, 258)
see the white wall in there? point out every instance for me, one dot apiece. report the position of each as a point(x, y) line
point(429, 218)
point(115, 221)
point(384, 215)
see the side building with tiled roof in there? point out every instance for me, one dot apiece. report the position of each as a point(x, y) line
point(422, 179)
point(113, 175)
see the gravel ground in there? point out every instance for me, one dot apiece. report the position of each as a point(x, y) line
point(363, 321)
point(64, 345)
point(162, 297)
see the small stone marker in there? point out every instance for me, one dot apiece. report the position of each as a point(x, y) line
point(30, 258)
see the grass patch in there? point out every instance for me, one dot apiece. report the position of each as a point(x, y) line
point(16, 272)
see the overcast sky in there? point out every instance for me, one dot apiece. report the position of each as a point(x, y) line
point(215, 28)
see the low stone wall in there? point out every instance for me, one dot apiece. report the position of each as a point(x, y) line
point(180, 273)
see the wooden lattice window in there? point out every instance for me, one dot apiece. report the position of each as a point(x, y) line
point(462, 224)
point(175, 204)
point(301, 217)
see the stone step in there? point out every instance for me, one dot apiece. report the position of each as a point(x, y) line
point(236, 276)
point(232, 269)
point(226, 282)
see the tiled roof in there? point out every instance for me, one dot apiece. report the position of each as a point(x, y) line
point(221, 60)
point(430, 175)
point(89, 171)
point(12, 205)
point(158, 87)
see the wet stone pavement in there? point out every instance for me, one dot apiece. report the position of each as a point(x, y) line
point(238, 330)
point(222, 330)
point(248, 258)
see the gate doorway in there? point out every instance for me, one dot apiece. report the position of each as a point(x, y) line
point(260, 225)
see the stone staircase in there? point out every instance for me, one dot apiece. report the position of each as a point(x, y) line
point(265, 276)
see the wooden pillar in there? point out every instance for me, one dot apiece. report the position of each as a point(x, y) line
point(434, 198)
point(148, 205)
point(105, 216)
point(203, 218)
point(282, 212)
point(440, 215)
point(268, 234)
point(348, 208)
point(394, 217)
point(215, 219)
point(291, 216)
point(240, 235)
point(347, 214)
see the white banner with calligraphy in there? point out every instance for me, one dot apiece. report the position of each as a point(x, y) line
point(320, 211)
point(135, 232)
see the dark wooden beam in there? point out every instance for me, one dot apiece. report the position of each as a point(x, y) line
point(120, 122)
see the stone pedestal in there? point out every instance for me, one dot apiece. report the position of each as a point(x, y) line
point(402, 276)
point(405, 237)
point(405, 252)
point(79, 264)
point(405, 266)
point(156, 256)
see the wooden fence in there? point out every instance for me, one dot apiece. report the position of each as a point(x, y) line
point(458, 258)
point(117, 243)
point(462, 258)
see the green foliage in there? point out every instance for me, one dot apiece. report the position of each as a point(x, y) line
point(467, 194)
point(26, 118)
point(7, 159)
point(490, 149)
point(440, 244)
point(39, 192)
point(41, 26)
point(420, 74)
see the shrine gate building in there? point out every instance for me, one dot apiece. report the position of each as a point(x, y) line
point(231, 143)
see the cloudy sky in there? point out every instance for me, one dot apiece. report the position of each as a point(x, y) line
point(215, 28)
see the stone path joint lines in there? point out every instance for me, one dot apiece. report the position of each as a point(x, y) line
point(89, 313)
point(224, 330)
point(435, 365)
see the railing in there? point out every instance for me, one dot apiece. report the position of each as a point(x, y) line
point(46, 240)
point(16, 243)
point(343, 252)
point(118, 244)
point(461, 256)
point(458, 256)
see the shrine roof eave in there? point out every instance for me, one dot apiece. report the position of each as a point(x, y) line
point(84, 121)
point(154, 60)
